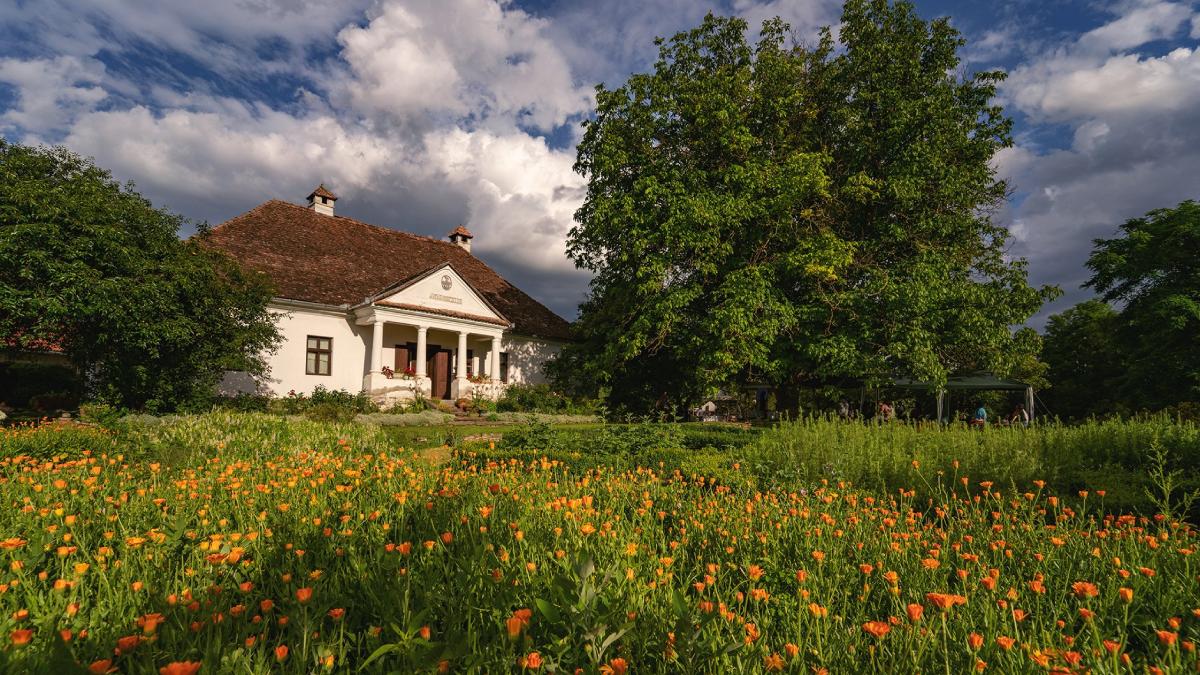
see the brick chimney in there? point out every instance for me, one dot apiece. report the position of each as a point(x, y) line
point(462, 237)
point(321, 200)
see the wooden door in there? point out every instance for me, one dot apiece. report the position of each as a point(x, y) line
point(404, 356)
point(439, 372)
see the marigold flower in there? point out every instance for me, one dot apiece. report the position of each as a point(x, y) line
point(303, 595)
point(1167, 637)
point(337, 613)
point(531, 661)
point(754, 572)
point(817, 610)
point(914, 611)
point(945, 601)
point(1085, 589)
point(102, 667)
point(21, 636)
point(424, 632)
point(617, 666)
point(974, 641)
point(180, 668)
point(877, 629)
point(281, 653)
point(1006, 643)
point(773, 663)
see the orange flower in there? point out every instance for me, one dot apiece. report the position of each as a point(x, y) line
point(1084, 589)
point(1126, 594)
point(337, 613)
point(877, 629)
point(617, 666)
point(128, 643)
point(914, 611)
point(303, 595)
point(180, 668)
point(281, 653)
point(817, 610)
point(773, 663)
point(791, 649)
point(514, 627)
point(1006, 643)
point(266, 605)
point(424, 632)
point(1167, 637)
point(754, 572)
point(819, 556)
point(866, 568)
point(945, 601)
point(21, 636)
point(447, 538)
point(101, 667)
point(974, 641)
point(531, 661)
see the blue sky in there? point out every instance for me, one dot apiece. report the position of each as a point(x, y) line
point(423, 114)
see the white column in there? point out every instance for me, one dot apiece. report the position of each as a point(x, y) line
point(461, 369)
point(377, 346)
point(421, 330)
point(494, 356)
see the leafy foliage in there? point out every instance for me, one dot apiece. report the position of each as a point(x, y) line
point(94, 268)
point(793, 214)
point(1146, 354)
point(1153, 269)
point(1086, 361)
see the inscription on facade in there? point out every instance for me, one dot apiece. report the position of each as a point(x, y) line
point(445, 298)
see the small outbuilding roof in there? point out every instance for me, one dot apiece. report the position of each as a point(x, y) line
point(977, 381)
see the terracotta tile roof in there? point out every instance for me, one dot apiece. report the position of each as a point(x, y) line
point(322, 191)
point(462, 231)
point(443, 312)
point(336, 260)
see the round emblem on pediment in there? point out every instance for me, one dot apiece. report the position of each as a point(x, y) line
point(446, 282)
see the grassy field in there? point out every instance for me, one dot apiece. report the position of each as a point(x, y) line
point(255, 544)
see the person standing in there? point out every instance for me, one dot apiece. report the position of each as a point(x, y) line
point(979, 419)
point(1019, 415)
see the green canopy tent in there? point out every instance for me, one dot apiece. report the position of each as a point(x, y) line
point(978, 381)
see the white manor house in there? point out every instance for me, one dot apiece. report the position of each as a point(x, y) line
point(369, 308)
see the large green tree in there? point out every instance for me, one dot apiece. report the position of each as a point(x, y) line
point(91, 266)
point(1152, 270)
point(1086, 362)
point(788, 214)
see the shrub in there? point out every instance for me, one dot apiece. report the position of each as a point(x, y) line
point(330, 412)
point(540, 398)
point(99, 413)
point(359, 402)
point(242, 402)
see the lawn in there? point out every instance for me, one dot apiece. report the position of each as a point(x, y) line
point(253, 544)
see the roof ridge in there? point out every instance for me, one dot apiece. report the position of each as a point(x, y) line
point(356, 221)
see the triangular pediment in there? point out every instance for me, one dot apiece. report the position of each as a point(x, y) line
point(441, 289)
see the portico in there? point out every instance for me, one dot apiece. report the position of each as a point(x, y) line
point(419, 346)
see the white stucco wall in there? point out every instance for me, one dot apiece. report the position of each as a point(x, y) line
point(350, 344)
point(526, 358)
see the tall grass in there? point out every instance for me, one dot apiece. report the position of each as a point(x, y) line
point(1113, 456)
